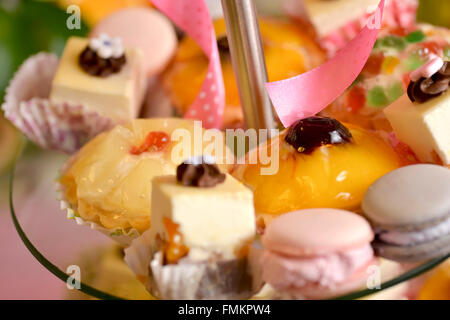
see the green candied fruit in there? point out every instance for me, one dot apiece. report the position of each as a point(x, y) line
point(447, 52)
point(391, 42)
point(394, 92)
point(415, 36)
point(413, 62)
point(376, 97)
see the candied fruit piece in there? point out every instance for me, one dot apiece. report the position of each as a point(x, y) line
point(395, 91)
point(392, 41)
point(356, 98)
point(406, 80)
point(447, 52)
point(400, 31)
point(432, 47)
point(413, 62)
point(373, 64)
point(376, 97)
point(174, 249)
point(155, 141)
point(389, 64)
point(415, 36)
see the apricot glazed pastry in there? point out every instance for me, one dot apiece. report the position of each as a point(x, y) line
point(322, 163)
point(288, 50)
point(108, 182)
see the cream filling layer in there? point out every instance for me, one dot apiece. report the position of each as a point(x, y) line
point(416, 237)
point(284, 272)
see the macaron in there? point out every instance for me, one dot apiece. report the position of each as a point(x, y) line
point(409, 209)
point(143, 28)
point(317, 253)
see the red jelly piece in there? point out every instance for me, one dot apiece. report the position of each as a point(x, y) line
point(430, 47)
point(155, 141)
point(356, 98)
point(373, 64)
point(400, 31)
point(406, 81)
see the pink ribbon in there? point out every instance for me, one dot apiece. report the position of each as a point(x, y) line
point(192, 16)
point(309, 93)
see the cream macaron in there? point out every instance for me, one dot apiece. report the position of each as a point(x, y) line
point(317, 253)
point(409, 209)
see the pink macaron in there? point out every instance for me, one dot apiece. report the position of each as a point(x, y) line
point(143, 28)
point(317, 253)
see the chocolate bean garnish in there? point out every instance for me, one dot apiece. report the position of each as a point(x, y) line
point(308, 134)
point(202, 175)
point(427, 88)
point(94, 65)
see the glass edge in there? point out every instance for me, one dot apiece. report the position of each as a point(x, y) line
point(40, 257)
point(411, 274)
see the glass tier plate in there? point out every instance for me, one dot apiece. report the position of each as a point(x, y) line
point(59, 243)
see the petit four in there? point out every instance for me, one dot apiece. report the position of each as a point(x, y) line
point(421, 118)
point(143, 28)
point(203, 223)
point(288, 51)
point(102, 76)
point(62, 126)
point(317, 253)
point(321, 163)
point(108, 182)
point(409, 209)
point(385, 77)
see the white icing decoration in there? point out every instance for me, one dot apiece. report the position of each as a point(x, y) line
point(196, 160)
point(107, 47)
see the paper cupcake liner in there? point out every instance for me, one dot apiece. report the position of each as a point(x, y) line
point(123, 237)
point(64, 126)
point(188, 280)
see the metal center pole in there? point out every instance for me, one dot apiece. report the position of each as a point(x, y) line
point(248, 62)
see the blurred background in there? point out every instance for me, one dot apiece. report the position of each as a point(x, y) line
point(27, 27)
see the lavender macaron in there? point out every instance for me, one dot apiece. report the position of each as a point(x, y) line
point(409, 209)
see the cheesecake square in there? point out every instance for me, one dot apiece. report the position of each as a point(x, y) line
point(221, 217)
point(118, 96)
point(425, 127)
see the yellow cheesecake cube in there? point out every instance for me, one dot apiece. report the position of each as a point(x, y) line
point(118, 96)
point(425, 127)
point(220, 218)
